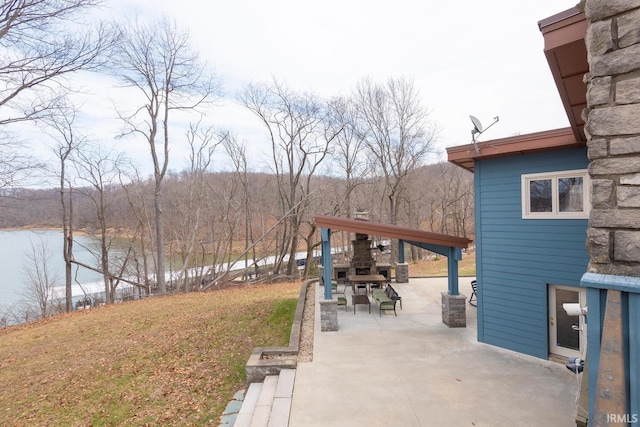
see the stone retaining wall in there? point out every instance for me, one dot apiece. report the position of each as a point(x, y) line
point(270, 360)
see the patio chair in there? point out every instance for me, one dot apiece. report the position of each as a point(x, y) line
point(342, 300)
point(376, 285)
point(340, 296)
point(356, 287)
point(473, 299)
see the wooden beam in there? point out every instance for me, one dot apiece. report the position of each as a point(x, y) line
point(611, 404)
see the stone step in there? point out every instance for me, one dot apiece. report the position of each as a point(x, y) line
point(265, 402)
point(248, 405)
point(268, 404)
point(281, 408)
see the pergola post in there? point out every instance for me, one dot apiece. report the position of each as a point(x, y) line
point(326, 262)
point(402, 268)
point(454, 313)
point(454, 255)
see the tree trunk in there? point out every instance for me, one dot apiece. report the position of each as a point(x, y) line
point(67, 235)
point(104, 257)
point(160, 268)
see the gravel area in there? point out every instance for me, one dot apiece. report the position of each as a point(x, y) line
point(305, 351)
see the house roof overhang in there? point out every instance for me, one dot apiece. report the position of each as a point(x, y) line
point(390, 231)
point(557, 139)
point(566, 54)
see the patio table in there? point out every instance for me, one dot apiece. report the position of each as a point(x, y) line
point(360, 299)
point(359, 281)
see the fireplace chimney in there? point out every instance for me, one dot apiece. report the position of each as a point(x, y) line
point(361, 214)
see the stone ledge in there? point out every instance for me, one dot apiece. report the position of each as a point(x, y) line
point(261, 363)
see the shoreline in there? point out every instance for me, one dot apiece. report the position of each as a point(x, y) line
point(45, 229)
point(76, 232)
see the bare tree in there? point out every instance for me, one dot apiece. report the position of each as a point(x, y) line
point(99, 172)
point(5, 316)
point(300, 139)
point(189, 203)
point(40, 277)
point(135, 189)
point(397, 133)
point(348, 150)
point(42, 43)
point(237, 152)
point(446, 204)
point(156, 60)
point(61, 128)
point(349, 155)
point(23, 311)
point(415, 204)
point(33, 71)
point(15, 164)
point(456, 200)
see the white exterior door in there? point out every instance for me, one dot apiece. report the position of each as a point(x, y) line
point(567, 334)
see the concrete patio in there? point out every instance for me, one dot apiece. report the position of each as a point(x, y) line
point(412, 370)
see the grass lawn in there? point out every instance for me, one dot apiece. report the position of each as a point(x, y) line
point(174, 360)
point(438, 266)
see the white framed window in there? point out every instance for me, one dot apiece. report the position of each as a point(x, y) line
point(556, 195)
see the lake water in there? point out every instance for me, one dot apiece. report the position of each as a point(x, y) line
point(15, 247)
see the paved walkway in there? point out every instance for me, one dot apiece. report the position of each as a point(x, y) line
point(412, 370)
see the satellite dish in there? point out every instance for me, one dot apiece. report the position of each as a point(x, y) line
point(476, 124)
point(478, 129)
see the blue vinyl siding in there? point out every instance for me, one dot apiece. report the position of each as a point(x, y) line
point(517, 259)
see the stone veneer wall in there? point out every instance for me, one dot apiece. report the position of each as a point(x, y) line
point(612, 128)
point(613, 134)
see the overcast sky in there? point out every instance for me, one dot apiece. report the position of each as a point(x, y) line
point(483, 58)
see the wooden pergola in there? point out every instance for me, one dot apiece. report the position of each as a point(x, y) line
point(442, 244)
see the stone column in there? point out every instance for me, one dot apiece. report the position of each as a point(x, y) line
point(612, 128)
point(328, 315)
point(613, 134)
point(402, 272)
point(454, 313)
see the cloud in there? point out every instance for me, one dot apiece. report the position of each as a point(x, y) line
point(466, 57)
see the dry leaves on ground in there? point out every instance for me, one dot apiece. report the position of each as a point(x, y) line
point(175, 360)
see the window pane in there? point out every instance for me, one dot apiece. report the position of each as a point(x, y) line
point(540, 195)
point(570, 194)
point(566, 335)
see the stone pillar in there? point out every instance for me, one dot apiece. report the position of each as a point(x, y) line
point(402, 273)
point(612, 128)
point(454, 313)
point(328, 315)
point(613, 135)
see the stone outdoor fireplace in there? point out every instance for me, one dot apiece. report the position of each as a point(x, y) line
point(362, 261)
